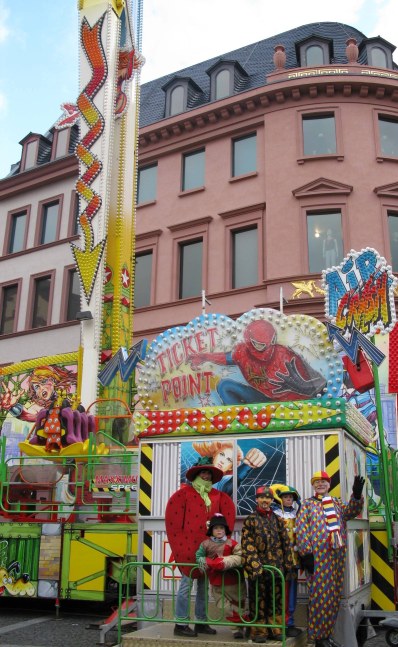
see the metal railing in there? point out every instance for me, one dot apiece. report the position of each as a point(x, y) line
point(149, 600)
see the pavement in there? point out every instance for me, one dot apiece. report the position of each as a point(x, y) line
point(34, 623)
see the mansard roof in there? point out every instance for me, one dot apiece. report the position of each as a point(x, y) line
point(256, 59)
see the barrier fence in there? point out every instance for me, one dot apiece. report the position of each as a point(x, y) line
point(149, 602)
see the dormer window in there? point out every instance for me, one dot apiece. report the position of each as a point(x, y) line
point(379, 57)
point(314, 56)
point(378, 52)
point(36, 150)
point(314, 51)
point(177, 100)
point(61, 143)
point(182, 93)
point(223, 84)
point(226, 78)
point(31, 154)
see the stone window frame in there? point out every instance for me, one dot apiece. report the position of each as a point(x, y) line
point(149, 242)
point(32, 291)
point(10, 215)
point(5, 284)
point(66, 283)
point(312, 206)
point(186, 232)
point(40, 213)
point(319, 112)
point(389, 114)
point(238, 220)
point(142, 168)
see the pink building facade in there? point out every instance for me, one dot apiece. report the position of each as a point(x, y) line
point(257, 170)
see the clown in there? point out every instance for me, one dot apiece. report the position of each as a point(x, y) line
point(273, 372)
point(321, 535)
point(286, 506)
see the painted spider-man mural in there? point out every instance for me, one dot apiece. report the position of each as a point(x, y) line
point(273, 372)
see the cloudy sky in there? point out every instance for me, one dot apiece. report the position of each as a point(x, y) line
point(39, 46)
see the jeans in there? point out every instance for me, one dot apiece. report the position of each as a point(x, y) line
point(182, 609)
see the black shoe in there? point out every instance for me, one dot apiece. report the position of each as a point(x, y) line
point(238, 634)
point(260, 639)
point(184, 630)
point(322, 642)
point(205, 629)
point(293, 632)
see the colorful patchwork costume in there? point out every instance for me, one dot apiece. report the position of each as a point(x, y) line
point(321, 531)
point(265, 541)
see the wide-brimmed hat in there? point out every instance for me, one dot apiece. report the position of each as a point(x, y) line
point(218, 520)
point(320, 475)
point(204, 464)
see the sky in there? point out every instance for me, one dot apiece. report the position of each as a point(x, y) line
point(39, 46)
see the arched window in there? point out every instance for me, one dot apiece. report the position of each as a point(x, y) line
point(314, 56)
point(177, 100)
point(223, 86)
point(378, 57)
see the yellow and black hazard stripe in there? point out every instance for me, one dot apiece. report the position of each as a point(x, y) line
point(145, 508)
point(383, 590)
point(146, 462)
point(332, 463)
point(147, 557)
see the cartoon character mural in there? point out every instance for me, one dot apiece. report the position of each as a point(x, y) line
point(269, 453)
point(222, 455)
point(12, 581)
point(264, 356)
point(273, 372)
point(26, 391)
point(25, 395)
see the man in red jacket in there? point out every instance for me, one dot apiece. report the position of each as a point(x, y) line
point(187, 513)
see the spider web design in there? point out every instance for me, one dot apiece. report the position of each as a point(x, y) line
point(273, 471)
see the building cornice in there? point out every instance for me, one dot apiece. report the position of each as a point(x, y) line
point(290, 85)
point(38, 176)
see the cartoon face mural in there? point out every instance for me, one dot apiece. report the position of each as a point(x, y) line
point(264, 356)
point(257, 461)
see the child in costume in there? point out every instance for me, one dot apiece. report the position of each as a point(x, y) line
point(286, 505)
point(265, 541)
point(322, 541)
point(220, 556)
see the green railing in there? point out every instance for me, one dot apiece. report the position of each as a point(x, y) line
point(74, 484)
point(158, 571)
